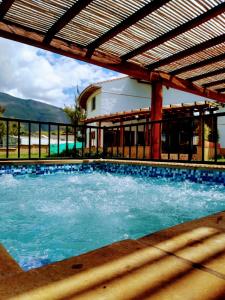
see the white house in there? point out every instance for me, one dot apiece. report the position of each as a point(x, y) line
point(126, 94)
point(120, 96)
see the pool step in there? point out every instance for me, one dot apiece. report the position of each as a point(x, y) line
point(8, 266)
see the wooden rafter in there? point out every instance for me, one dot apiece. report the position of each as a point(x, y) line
point(177, 31)
point(65, 19)
point(222, 90)
point(4, 7)
point(184, 85)
point(206, 75)
point(190, 51)
point(199, 64)
point(218, 82)
point(134, 18)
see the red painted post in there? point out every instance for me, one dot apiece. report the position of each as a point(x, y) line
point(99, 135)
point(156, 114)
point(147, 132)
point(121, 134)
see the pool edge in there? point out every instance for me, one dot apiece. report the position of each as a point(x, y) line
point(180, 165)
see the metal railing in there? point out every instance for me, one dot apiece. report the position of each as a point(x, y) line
point(198, 139)
point(188, 139)
point(26, 139)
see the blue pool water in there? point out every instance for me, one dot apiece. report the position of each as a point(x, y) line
point(51, 217)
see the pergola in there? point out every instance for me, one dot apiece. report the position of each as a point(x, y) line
point(182, 109)
point(176, 43)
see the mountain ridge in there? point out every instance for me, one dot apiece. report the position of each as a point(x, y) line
point(29, 109)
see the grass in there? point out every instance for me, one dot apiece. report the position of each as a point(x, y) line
point(35, 155)
point(22, 155)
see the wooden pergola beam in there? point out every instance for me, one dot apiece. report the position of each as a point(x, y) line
point(221, 90)
point(131, 20)
point(210, 14)
point(4, 7)
point(72, 12)
point(190, 51)
point(199, 64)
point(156, 115)
point(186, 86)
point(206, 75)
point(20, 34)
point(210, 84)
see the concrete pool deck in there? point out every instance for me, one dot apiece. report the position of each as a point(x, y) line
point(184, 262)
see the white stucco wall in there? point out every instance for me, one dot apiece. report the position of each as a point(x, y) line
point(125, 94)
point(93, 113)
point(172, 96)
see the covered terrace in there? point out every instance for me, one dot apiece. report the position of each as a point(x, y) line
point(176, 43)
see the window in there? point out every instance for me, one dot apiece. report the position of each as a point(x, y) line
point(111, 138)
point(93, 103)
point(141, 138)
point(128, 138)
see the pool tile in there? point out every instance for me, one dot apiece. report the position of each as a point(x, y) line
point(177, 174)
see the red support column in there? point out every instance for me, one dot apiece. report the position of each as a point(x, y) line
point(156, 114)
point(147, 133)
point(121, 134)
point(99, 135)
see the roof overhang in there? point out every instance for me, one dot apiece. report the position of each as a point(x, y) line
point(86, 93)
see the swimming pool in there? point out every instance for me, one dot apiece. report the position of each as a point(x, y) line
point(49, 213)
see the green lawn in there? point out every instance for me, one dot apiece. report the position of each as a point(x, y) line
point(22, 156)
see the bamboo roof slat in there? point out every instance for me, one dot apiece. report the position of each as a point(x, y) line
point(210, 80)
point(207, 75)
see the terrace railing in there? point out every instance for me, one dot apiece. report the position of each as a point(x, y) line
point(190, 139)
point(26, 139)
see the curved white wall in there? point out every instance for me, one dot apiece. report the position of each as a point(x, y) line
point(125, 94)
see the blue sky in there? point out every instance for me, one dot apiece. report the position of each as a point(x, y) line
point(30, 73)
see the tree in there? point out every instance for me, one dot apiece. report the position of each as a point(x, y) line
point(13, 128)
point(2, 125)
point(75, 112)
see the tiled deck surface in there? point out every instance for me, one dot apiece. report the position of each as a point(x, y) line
point(183, 262)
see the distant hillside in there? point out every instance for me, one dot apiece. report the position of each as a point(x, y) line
point(31, 110)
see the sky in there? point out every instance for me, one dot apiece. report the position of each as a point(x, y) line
point(30, 73)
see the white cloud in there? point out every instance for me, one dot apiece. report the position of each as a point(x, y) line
point(28, 72)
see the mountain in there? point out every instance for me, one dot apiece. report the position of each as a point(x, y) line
point(31, 110)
